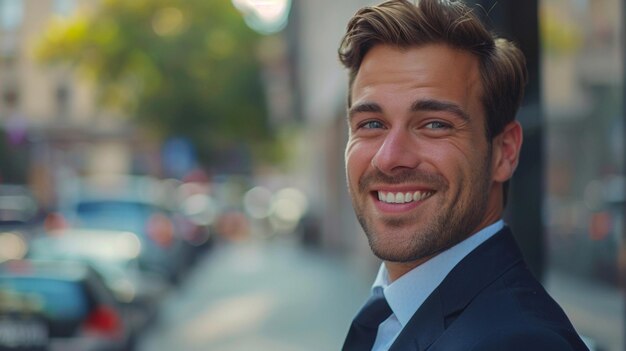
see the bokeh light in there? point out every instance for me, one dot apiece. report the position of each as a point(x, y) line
point(264, 16)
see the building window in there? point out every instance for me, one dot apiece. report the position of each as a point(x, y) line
point(11, 13)
point(64, 7)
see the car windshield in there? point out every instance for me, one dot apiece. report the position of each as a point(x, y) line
point(116, 215)
point(58, 299)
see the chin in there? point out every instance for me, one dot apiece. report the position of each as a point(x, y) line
point(402, 251)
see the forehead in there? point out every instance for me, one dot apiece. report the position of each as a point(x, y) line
point(436, 70)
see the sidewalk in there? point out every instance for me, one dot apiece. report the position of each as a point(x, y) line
point(262, 296)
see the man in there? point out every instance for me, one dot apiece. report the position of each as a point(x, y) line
point(433, 142)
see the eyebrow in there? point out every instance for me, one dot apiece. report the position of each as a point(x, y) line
point(417, 106)
point(364, 107)
point(438, 105)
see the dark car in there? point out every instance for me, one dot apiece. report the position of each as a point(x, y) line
point(114, 255)
point(66, 304)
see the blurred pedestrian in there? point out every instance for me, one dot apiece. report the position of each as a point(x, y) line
point(433, 143)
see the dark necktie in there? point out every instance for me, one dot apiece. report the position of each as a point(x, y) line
point(364, 327)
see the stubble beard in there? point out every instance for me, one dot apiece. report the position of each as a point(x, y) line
point(451, 224)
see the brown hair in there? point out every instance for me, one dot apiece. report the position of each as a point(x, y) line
point(403, 24)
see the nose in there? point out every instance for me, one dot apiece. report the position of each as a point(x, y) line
point(398, 150)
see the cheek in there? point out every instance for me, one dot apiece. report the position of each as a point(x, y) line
point(357, 159)
point(457, 164)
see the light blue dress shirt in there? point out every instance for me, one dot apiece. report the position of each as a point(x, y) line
point(406, 294)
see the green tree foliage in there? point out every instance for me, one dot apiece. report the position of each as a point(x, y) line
point(179, 67)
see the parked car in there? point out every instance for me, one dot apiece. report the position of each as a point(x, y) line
point(22, 323)
point(133, 204)
point(69, 304)
point(162, 250)
point(19, 219)
point(114, 254)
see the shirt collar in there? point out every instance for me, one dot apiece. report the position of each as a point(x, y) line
point(407, 293)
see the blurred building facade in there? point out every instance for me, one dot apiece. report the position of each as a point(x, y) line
point(317, 28)
point(53, 127)
point(568, 194)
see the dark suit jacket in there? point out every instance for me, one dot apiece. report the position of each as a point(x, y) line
point(490, 302)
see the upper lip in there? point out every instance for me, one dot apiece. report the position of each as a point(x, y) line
point(399, 189)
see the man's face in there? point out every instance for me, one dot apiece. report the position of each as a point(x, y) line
point(418, 163)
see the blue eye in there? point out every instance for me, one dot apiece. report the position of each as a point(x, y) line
point(437, 125)
point(372, 125)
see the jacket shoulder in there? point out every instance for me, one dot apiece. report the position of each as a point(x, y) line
point(527, 339)
point(514, 311)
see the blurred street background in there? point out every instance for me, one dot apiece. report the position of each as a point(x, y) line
point(171, 172)
point(263, 296)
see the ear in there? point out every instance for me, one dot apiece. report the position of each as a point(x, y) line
point(506, 149)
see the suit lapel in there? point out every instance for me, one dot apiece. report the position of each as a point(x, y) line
point(428, 321)
point(477, 270)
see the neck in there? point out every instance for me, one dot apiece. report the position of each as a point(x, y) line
point(398, 269)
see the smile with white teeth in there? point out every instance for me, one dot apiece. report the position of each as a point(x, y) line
point(403, 197)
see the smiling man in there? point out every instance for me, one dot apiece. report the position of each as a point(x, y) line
point(433, 142)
